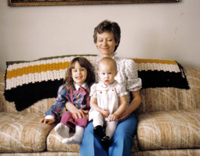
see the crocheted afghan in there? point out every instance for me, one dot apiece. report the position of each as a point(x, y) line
point(161, 73)
point(27, 82)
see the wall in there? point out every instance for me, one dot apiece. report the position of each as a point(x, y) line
point(156, 30)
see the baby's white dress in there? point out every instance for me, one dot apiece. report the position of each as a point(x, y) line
point(107, 97)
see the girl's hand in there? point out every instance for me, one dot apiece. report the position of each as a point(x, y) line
point(112, 117)
point(105, 112)
point(78, 113)
point(46, 121)
point(86, 114)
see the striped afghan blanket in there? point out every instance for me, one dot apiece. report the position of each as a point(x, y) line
point(27, 82)
point(161, 73)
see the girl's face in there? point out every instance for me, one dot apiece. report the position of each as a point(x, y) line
point(106, 44)
point(79, 74)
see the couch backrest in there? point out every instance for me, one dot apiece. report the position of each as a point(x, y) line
point(153, 98)
point(5, 106)
point(164, 99)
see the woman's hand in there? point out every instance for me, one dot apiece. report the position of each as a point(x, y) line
point(46, 121)
point(124, 115)
point(135, 103)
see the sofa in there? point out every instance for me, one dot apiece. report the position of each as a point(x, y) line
point(169, 115)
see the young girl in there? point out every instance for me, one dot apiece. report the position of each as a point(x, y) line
point(108, 101)
point(79, 77)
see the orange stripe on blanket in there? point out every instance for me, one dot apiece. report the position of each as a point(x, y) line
point(36, 69)
point(154, 61)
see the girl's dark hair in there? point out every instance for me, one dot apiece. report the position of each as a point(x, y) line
point(83, 63)
point(108, 26)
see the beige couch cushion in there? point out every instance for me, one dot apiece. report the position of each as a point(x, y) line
point(174, 129)
point(180, 152)
point(54, 144)
point(41, 154)
point(22, 132)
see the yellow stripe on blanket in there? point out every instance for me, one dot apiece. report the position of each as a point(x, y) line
point(36, 69)
point(156, 65)
point(154, 61)
point(41, 65)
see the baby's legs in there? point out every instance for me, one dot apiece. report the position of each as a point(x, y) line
point(110, 128)
point(98, 122)
point(76, 138)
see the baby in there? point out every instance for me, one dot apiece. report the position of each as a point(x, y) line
point(107, 102)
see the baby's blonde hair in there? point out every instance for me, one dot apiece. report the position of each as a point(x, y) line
point(109, 61)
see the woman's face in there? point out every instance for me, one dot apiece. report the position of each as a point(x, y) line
point(106, 44)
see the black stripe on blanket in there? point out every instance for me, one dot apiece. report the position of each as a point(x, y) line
point(153, 79)
point(26, 95)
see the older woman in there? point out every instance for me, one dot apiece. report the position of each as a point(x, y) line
point(107, 38)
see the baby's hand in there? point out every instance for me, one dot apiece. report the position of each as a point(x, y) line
point(113, 117)
point(46, 121)
point(105, 112)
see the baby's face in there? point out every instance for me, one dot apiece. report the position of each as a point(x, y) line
point(107, 73)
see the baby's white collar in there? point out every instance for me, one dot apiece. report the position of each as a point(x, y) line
point(103, 85)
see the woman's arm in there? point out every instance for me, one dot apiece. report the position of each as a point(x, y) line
point(135, 103)
point(94, 106)
point(120, 110)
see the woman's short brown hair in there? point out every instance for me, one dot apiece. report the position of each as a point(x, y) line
point(108, 26)
point(83, 62)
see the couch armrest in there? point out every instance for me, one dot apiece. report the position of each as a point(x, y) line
point(2, 99)
point(2, 74)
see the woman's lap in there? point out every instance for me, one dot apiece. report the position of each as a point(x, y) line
point(90, 144)
point(123, 137)
point(122, 140)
